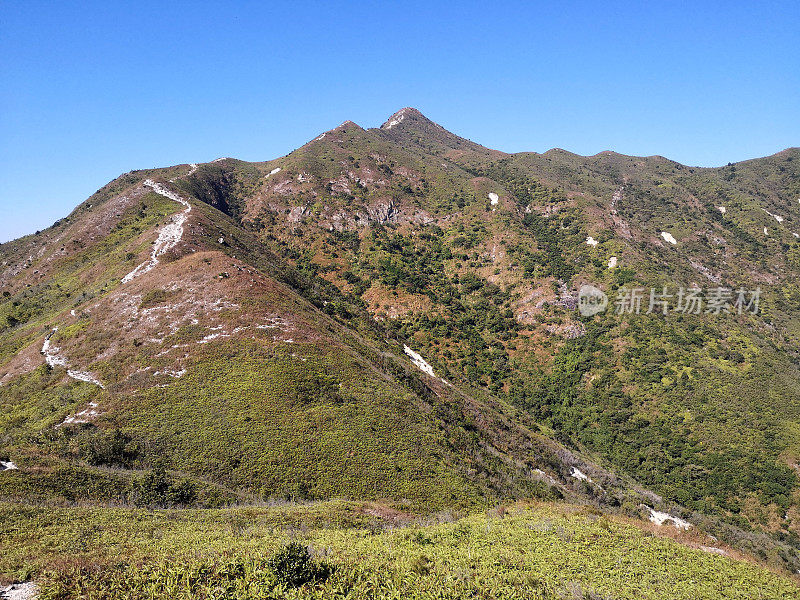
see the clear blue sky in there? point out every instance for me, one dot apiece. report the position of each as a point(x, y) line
point(91, 90)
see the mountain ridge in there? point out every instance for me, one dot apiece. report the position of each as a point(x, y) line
point(255, 337)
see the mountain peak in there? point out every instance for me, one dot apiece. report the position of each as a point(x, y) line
point(348, 125)
point(410, 126)
point(401, 115)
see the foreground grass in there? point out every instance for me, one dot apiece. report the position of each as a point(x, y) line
point(538, 551)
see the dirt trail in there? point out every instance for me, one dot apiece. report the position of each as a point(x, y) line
point(19, 591)
point(169, 236)
point(54, 359)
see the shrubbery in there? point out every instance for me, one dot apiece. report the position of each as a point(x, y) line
point(157, 488)
point(111, 449)
point(293, 566)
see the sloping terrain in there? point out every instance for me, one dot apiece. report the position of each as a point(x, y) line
point(390, 314)
point(540, 551)
point(180, 337)
point(477, 256)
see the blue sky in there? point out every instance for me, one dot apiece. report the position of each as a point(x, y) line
point(92, 90)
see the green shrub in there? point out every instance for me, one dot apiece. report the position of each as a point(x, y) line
point(153, 297)
point(293, 566)
point(111, 449)
point(156, 488)
point(153, 487)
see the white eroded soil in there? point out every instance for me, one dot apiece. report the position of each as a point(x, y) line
point(168, 237)
point(662, 518)
point(54, 359)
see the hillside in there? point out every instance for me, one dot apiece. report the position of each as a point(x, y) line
point(477, 257)
point(541, 551)
point(249, 378)
point(390, 315)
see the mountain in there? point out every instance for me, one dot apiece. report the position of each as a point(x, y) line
point(390, 314)
point(148, 324)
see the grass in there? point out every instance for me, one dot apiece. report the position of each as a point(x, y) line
point(285, 427)
point(526, 551)
point(273, 425)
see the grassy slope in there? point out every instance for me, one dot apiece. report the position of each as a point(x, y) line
point(538, 551)
point(276, 421)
